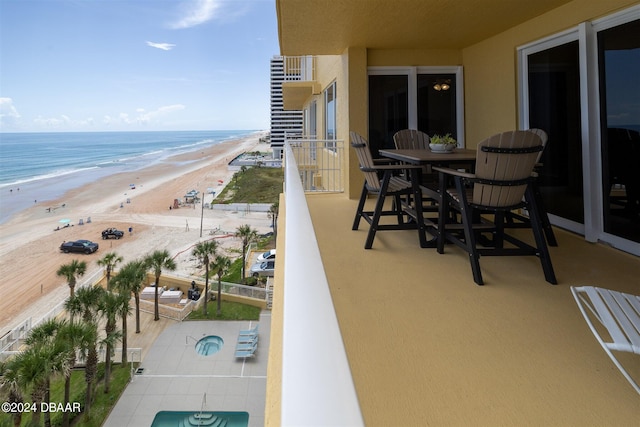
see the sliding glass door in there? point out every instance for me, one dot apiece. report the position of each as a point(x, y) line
point(582, 88)
point(554, 106)
point(619, 81)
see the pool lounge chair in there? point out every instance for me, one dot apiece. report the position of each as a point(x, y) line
point(247, 339)
point(247, 353)
point(252, 331)
point(619, 313)
point(244, 346)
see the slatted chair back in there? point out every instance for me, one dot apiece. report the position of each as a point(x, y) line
point(411, 139)
point(543, 137)
point(504, 163)
point(365, 160)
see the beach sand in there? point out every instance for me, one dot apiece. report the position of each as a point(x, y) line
point(29, 254)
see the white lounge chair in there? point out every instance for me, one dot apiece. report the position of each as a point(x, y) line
point(619, 313)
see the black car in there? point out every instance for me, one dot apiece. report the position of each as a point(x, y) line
point(79, 246)
point(112, 232)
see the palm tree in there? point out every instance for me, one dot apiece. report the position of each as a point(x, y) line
point(109, 261)
point(85, 303)
point(32, 369)
point(247, 235)
point(51, 353)
point(71, 272)
point(130, 279)
point(273, 215)
point(220, 266)
point(111, 305)
point(11, 385)
point(78, 336)
point(204, 251)
point(156, 261)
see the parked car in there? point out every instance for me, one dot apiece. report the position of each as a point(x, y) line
point(79, 246)
point(267, 256)
point(112, 232)
point(266, 268)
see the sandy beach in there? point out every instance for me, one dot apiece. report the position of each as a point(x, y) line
point(29, 254)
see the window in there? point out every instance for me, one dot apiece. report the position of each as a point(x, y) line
point(429, 99)
point(330, 111)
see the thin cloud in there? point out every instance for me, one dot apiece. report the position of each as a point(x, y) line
point(162, 46)
point(7, 109)
point(196, 12)
point(144, 116)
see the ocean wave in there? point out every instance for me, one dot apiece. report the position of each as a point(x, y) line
point(50, 175)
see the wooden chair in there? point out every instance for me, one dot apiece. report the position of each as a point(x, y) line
point(501, 183)
point(516, 220)
point(413, 139)
point(390, 185)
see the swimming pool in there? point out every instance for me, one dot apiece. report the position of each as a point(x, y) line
point(209, 345)
point(192, 419)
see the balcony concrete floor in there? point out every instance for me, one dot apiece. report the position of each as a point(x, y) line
point(429, 347)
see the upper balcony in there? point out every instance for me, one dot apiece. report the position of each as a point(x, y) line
point(299, 81)
point(399, 335)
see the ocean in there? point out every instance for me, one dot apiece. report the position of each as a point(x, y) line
point(43, 166)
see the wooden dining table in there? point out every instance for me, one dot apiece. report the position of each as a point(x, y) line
point(433, 158)
point(426, 157)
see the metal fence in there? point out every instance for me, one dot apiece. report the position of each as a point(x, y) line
point(320, 163)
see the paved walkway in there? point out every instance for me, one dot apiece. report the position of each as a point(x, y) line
point(177, 378)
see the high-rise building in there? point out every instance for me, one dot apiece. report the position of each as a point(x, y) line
point(282, 121)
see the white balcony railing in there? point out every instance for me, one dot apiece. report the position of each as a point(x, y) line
point(320, 162)
point(300, 68)
point(317, 387)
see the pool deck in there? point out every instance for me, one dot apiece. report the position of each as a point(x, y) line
point(177, 378)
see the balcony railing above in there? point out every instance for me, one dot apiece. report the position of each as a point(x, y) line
point(300, 68)
point(320, 162)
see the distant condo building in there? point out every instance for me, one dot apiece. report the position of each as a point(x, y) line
point(282, 122)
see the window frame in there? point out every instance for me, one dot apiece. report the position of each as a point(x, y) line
point(332, 87)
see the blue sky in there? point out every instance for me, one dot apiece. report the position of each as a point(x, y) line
point(100, 65)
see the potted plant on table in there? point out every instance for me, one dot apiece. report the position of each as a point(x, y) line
point(441, 143)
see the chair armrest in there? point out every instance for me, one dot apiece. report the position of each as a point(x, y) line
point(394, 167)
point(454, 172)
point(384, 161)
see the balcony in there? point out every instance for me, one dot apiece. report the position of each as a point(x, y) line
point(399, 335)
point(299, 81)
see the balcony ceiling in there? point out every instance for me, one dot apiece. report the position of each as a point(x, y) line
point(327, 27)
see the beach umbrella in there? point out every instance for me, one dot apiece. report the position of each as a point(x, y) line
point(65, 221)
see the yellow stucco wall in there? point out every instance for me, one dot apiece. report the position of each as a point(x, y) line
point(490, 67)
